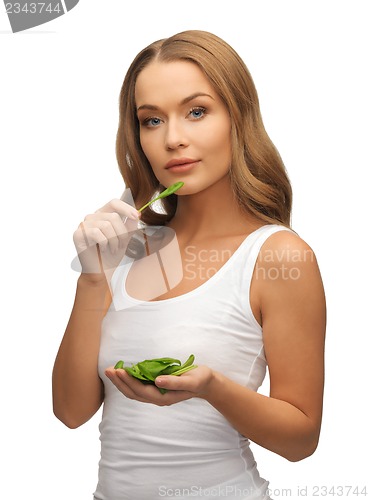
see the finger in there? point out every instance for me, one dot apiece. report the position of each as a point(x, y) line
point(83, 231)
point(99, 231)
point(150, 393)
point(122, 208)
point(146, 393)
point(88, 254)
point(94, 236)
point(177, 382)
point(86, 238)
point(110, 234)
point(119, 381)
point(80, 238)
point(121, 227)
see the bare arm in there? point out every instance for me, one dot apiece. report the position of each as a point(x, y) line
point(101, 241)
point(77, 387)
point(289, 300)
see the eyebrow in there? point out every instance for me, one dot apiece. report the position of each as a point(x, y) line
point(184, 101)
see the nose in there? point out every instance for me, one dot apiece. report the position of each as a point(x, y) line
point(175, 136)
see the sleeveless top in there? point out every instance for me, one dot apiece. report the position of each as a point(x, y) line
point(188, 449)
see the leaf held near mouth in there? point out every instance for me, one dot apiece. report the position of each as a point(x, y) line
point(170, 190)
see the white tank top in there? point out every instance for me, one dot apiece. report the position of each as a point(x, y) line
point(188, 449)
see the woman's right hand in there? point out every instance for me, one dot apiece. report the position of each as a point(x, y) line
point(102, 239)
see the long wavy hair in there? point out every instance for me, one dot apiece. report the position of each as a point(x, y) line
point(257, 175)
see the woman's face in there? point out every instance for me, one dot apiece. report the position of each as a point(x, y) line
point(185, 128)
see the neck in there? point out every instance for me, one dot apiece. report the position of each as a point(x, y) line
point(211, 212)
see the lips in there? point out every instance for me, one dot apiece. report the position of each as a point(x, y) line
point(180, 162)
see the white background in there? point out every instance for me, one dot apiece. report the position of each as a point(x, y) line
point(58, 116)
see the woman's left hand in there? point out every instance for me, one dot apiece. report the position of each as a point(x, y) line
point(193, 384)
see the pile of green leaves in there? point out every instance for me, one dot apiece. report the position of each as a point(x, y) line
point(147, 371)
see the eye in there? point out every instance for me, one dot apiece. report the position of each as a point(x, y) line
point(197, 112)
point(151, 122)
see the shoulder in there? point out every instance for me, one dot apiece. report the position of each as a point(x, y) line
point(285, 247)
point(286, 265)
point(287, 286)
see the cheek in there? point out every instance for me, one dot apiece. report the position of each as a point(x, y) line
point(218, 142)
point(148, 147)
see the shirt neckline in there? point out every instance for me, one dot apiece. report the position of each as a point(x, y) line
point(215, 277)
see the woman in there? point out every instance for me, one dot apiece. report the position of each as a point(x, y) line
point(249, 293)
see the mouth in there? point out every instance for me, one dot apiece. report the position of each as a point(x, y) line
point(181, 164)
